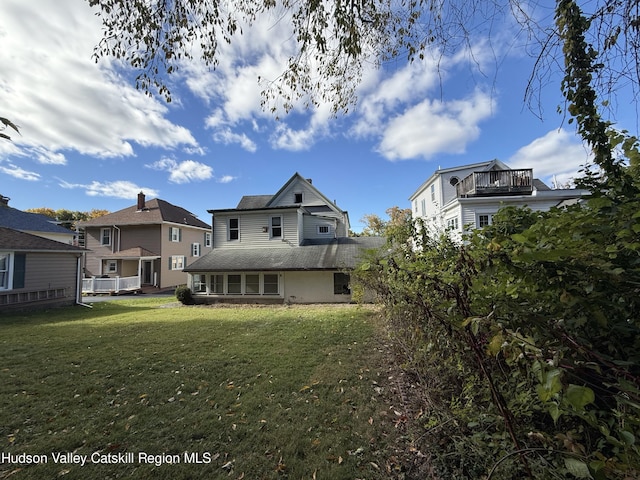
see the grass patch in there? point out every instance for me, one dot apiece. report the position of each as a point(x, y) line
point(252, 392)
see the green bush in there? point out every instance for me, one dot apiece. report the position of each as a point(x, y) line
point(183, 294)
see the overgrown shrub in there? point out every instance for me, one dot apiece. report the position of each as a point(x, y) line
point(183, 294)
point(525, 338)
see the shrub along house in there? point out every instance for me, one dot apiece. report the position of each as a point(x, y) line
point(289, 247)
point(149, 243)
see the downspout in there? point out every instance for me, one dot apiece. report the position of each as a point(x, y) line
point(119, 239)
point(79, 283)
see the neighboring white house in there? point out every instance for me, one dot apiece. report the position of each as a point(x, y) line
point(289, 247)
point(467, 197)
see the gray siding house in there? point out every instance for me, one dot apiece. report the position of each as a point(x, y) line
point(292, 246)
point(37, 272)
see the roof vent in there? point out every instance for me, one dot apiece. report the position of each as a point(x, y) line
point(310, 180)
point(4, 201)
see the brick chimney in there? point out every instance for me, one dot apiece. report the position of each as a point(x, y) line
point(141, 202)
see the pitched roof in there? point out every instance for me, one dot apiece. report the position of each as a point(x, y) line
point(251, 202)
point(156, 211)
point(330, 254)
point(33, 222)
point(15, 240)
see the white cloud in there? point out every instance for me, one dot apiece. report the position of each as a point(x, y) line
point(17, 172)
point(226, 179)
point(183, 172)
point(117, 189)
point(61, 99)
point(555, 157)
point(227, 137)
point(433, 127)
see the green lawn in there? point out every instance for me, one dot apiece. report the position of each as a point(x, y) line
point(249, 392)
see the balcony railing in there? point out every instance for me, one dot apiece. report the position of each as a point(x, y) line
point(496, 182)
point(110, 285)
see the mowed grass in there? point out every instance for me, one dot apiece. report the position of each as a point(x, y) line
point(248, 392)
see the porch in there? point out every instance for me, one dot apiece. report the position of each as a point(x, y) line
point(111, 285)
point(496, 182)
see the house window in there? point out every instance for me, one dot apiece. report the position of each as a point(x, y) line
point(112, 266)
point(423, 206)
point(484, 220)
point(12, 270)
point(176, 262)
point(324, 229)
point(5, 260)
point(415, 206)
point(234, 229)
point(234, 284)
point(105, 236)
point(195, 249)
point(276, 227)
point(217, 284)
point(297, 197)
point(200, 283)
point(270, 284)
point(452, 223)
point(252, 284)
point(207, 239)
point(341, 284)
point(433, 192)
point(175, 234)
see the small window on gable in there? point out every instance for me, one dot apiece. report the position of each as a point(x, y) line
point(297, 197)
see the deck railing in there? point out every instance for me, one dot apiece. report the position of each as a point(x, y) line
point(496, 182)
point(110, 284)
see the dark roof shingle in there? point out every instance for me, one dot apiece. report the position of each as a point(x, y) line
point(33, 222)
point(25, 242)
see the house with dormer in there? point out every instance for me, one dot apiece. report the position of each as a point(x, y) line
point(147, 244)
point(291, 246)
point(467, 197)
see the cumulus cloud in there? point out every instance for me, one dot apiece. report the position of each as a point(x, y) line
point(183, 172)
point(61, 99)
point(555, 157)
point(117, 189)
point(226, 179)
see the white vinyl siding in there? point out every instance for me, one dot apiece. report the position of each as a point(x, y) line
point(256, 230)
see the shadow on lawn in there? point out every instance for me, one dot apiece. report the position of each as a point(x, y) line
point(72, 313)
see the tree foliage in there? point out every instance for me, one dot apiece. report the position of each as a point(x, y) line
point(375, 226)
point(68, 218)
point(7, 123)
point(336, 39)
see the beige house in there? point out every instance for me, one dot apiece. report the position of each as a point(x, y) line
point(147, 244)
point(292, 246)
point(37, 272)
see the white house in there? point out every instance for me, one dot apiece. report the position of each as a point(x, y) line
point(289, 247)
point(467, 197)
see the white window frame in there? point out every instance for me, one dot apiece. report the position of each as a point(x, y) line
point(175, 234)
point(6, 273)
point(207, 239)
point(272, 226)
point(489, 219)
point(319, 229)
point(177, 262)
point(234, 229)
point(453, 223)
point(195, 249)
point(295, 197)
point(103, 236)
point(112, 266)
point(433, 192)
point(223, 283)
point(423, 206)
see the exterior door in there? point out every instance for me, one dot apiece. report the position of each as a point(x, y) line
point(147, 271)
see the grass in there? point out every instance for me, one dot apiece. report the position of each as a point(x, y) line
point(252, 392)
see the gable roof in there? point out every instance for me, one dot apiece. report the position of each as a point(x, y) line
point(156, 211)
point(297, 177)
point(330, 254)
point(33, 222)
point(252, 202)
point(15, 240)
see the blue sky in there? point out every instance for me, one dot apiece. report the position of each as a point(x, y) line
point(90, 140)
